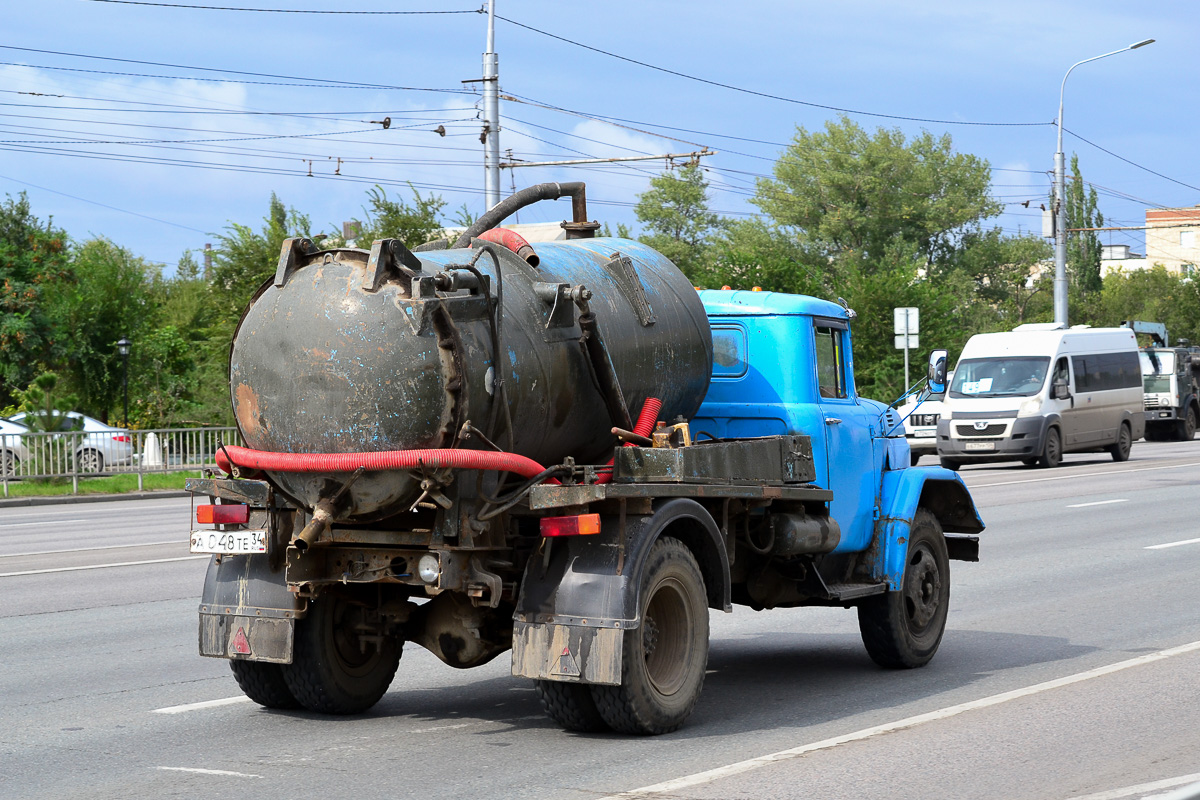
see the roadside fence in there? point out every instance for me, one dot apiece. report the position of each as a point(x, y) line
point(90, 454)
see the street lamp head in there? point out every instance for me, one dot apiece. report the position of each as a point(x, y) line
point(123, 346)
point(1142, 43)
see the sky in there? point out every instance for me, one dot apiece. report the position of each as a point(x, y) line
point(139, 122)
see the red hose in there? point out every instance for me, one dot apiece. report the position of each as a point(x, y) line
point(647, 419)
point(374, 462)
point(512, 241)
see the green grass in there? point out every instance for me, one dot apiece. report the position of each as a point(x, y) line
point(117, 484)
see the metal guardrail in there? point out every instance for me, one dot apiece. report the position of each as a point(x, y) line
point(84, 454)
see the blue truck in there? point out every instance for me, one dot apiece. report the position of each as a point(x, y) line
point(753, 475)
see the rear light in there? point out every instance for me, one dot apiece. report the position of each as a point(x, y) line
point(121, 438)
point(223, 514)
point(581, 525)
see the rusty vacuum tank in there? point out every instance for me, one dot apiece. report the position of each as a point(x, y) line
point(542, 350)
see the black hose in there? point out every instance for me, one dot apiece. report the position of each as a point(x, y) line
point(517, 201)
point(517, 495)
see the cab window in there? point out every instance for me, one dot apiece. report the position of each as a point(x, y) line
point(831, 373)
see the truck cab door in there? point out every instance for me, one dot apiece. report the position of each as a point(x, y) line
point(853, 453)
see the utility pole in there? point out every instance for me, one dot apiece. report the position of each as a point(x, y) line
point(1060, 196)
point(491, 114)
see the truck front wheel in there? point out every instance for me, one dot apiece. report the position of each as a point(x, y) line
point(1187, 426)
point(336, 667)
point(665, 657)
point(903, 629)
point(263, 683)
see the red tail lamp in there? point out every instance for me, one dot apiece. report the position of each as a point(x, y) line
point(223, 515)
point(582, 525)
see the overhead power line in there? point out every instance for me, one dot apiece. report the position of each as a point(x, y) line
point(312, 81)
point(756, 93)
point(207, 141)
point(285, 10)
point(1131, 163)
point(102, 205)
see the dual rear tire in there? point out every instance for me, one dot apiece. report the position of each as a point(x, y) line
point(664, 658)
point(335, 669)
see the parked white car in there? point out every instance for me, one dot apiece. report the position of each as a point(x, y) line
point(101, 446)
point(12, 449)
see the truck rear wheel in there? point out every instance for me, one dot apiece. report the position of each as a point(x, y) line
point(665, 657)
point(335, 669)
point(263, 683)
point(903, 629)
point(571, 705)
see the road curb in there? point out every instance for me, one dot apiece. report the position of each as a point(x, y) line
point(70, 499)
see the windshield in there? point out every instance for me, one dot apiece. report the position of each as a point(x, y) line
point(999, 377)
point(1157, 384)
point(1165, 362)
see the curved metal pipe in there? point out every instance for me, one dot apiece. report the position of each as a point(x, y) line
point(515, 202)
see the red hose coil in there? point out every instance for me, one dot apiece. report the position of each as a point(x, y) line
point(512, 241)
point(647, 419)
point(375, 462)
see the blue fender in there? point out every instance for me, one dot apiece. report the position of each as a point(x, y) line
point(943, 494)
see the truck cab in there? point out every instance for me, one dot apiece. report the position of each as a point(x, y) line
point(784, 364)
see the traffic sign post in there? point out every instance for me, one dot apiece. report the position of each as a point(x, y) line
point(907, 326)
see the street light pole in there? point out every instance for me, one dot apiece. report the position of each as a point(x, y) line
point(123, 349)
point(1060, 197)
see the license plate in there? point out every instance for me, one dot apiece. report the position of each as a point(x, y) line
point(924, 434)
point(981, 445)
point(230, 542)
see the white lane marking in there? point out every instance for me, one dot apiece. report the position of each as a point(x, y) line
point(83, 508)
point(99, 566)
point(1171, 544)
point(740, 767)
point(228, 701)
point(198, 771)
point(89, 549)
point(1141, 788)
point(1098, 503)
point(30, 524)
point(1083, 475)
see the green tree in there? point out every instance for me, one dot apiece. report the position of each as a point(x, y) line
point(109, 298)
point(674, 211)
point(999, 269)
point(754, 252)
point(42, 405)
point(385, 218)
point(1155, 295)
point(1084, 301)
point(244, 258)
point(851, 194)
point(34, 256)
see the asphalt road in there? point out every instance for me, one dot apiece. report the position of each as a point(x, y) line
point(1068, 670)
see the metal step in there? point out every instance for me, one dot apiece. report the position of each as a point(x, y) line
point(853, 591)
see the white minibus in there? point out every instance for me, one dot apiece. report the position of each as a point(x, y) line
point(1039, 391)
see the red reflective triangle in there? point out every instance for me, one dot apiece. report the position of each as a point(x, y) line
point(240, 643)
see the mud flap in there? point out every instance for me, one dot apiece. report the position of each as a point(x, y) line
point(580, 594)
point(246, 611)
point(569, 653)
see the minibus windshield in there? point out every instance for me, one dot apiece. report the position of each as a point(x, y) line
point(999, 377)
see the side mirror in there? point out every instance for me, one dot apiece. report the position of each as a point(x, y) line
point(937, 371)
point(1061, 391)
